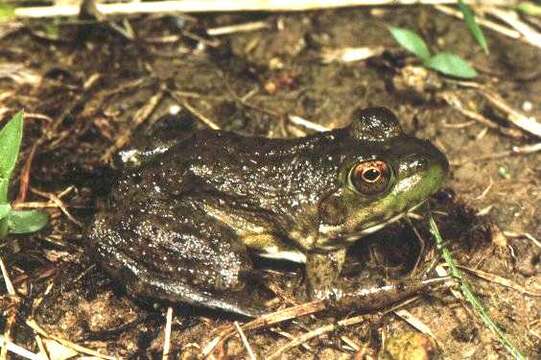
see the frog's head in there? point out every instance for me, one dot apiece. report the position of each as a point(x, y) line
point(388, 174)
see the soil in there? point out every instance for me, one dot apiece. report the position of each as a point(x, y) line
point(85, 86)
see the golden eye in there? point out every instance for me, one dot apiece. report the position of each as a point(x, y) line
point(370, 177)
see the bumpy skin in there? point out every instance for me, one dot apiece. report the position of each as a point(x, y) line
point(177, 226)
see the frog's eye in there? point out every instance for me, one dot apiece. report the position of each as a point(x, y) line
point(370, 177)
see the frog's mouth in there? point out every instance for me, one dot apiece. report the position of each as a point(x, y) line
point(344, 240)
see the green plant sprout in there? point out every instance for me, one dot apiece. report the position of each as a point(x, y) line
point(475, 30)
point(443, 62)
point(14, 221)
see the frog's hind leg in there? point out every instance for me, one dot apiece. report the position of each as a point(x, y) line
point(179, 259)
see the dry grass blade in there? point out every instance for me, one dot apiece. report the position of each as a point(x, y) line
point(80, 349)
point(245, 342)
point(500, 280)
point(528, 124)
point(454, 100)
point(205, 120)
point(7, 280)
point(511, 17)
point(315, 333)
point(515, 150)
point(268, 320)
point(167, 336)
point(140, 117)
point(189, 6)
point(59, 203)
point(483, 22)
point(299, 121)
point(18, 350)
point(528, 236)
point(349, 54)
point(416, 323)
point(10, 320)
point(231, 29)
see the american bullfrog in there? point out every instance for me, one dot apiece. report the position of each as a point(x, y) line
point(185, 217)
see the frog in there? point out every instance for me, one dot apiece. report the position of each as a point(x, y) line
point(188, 218)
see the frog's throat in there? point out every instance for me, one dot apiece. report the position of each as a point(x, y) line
point(346, 240)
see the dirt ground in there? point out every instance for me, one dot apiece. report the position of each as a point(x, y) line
point(87, 89)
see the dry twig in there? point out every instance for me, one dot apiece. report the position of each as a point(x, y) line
point(167, 335)
point(80, 349)
point(231, 29)
point(140, 117)
point(315, 333)
point(190, 6)
point(245, 342)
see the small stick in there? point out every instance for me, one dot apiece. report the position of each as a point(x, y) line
point(230, 29)
point(245, 342)
point(140, 117)
point(167, 336)
point(59, 203)
point(205, 120)
point(25, 175)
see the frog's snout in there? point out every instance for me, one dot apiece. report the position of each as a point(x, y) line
point(438, 160)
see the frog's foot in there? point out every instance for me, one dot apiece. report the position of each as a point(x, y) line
point(377, 297)
point(322, 271)
point(236, 302)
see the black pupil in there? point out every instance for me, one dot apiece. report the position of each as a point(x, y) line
point(371, 175)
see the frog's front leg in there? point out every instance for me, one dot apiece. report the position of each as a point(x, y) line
point(322, 271)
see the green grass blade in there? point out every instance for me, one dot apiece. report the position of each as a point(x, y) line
point(529, 8)
point(10, 142)
point(4, 186)
point(411, 42)
point(468, 294)
point(451, 64)
point(4, 210)
point(473, 26)
point(26, 221)
point(7, 13)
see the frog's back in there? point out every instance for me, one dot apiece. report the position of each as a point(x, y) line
point(255, 167)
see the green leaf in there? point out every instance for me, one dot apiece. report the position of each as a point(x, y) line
point(451, 64)
point(529, 8)
point(4, 186)
point(4, 210)
point(10, 141)
point(475, 30)
point(410, 41)
point(7, 12)
point(26, 221)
